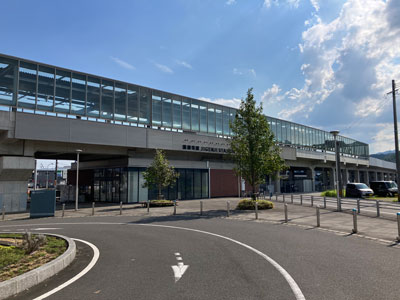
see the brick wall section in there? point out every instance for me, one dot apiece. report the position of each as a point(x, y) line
point(224, 183)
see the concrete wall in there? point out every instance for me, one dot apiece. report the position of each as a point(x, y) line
point(13, 195)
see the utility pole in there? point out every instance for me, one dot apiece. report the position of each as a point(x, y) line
point(396, 137)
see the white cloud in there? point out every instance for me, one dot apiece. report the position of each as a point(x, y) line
point(251, 72)
point(184, 64)
point(122, 63)
point(291, 3)
point(271, 95)
point(230, 2)
point(348, 64)
point(383, 140)
point(163, 68)
point(234, 102)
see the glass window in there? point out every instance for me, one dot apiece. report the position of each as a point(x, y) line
point(211, 118)
point(93, 97)
point(8, 80)
point(186, 114)
point(204, 184)
point(133, 104)
point(120, 101)
point(177, 113)
point(278, 131)
point(292, 135)
point(284, 137)
point(232, 114)
point(27, 85)
point(63, 91)
point(45, 96)
point(195, 116)
point(203, 117)
point(218, 120)
point(225, 117)
point(189, 184)
point(197, 183)
point(156, 106)
point(107, 99)
point(144, 106)
point(78, 94)
point(167, 111)
point(273, 127)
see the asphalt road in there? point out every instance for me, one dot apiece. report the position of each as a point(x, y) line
point(135, 260)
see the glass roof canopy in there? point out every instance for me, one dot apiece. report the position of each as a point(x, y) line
point(34, 87)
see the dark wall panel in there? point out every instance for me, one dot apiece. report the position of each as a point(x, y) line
point(224, 183)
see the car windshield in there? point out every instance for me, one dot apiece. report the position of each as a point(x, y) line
point(391, 184)
point(361, 186)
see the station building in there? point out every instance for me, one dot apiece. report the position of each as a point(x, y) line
point(48, 112)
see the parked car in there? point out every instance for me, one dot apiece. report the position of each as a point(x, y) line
point(384, 188)
point(359, 190)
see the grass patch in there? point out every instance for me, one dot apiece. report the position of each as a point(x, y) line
point(249, 204)
point(15, 261)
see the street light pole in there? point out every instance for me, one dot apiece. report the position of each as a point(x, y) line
point(78, 151)
point(339, 204)
point(396, 137)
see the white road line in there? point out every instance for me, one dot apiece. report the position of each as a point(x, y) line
point(179, 258)
point(177, 254)
point(96, 254)
point(44, 228)
point(293, 285)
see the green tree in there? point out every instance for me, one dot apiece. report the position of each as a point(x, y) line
point(160, 174)
point(254, 150)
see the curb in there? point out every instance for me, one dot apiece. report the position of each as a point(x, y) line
point(25, 281)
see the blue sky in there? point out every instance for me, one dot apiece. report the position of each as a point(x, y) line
point(326, 64)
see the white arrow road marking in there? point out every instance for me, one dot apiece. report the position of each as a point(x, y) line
point(180, 268)
point(179, 271)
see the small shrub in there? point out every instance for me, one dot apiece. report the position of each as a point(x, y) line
point(249, 204)
point(161, 203)
point(32, 242)
point(332, 193)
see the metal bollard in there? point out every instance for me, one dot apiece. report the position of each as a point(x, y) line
point(256, 210)
point(339, 204)
point(324, 201)
point(398, 226)
point(284, 198)
point(270, 196)
point(358, 206)
point(174, 207)
point(378, 213)
point(291, 198)
point(312, 201)
point(3, 212)
point(276, 197)
point(286, 214)
point(301, 199)
point(227, 208)
point(201, 208)
point(148, 206)
point(318, 217)
point(355, 230)
point(120, 208)
point(63, 210)
point(92, 208)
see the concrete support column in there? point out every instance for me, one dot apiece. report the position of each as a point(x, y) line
point(14, 174)
point(313, 178)
point(357, 175)
point(367, 177)
point(277, 184)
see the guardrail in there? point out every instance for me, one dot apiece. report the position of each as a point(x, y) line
point(363, 206)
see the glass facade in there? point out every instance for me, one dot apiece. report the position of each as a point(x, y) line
point(48, 89)
point(126, 185)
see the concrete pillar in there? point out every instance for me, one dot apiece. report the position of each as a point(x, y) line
point(14, 174)
point(367, 177)
point(357, 175)
point(277, 183)
point(313, 178)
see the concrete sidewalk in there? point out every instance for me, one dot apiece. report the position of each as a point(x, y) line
point(384, 230)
